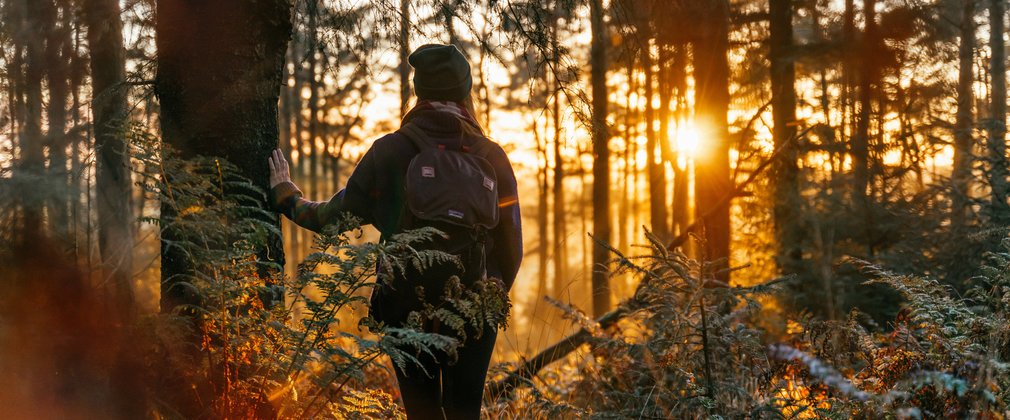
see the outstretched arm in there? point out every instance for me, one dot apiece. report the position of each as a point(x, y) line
point(287, 198)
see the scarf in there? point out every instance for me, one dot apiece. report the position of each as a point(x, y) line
point(450, 107)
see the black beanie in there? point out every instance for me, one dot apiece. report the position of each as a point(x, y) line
point(441, 73)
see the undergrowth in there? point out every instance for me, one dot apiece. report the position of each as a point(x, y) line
point(690, 348)
point(236, 352)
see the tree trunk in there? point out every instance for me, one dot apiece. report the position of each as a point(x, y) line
point(712, 179)
point(848, 47)
point(448, 11)
point(654, 165)
point(312, 78)
point(678, 76)
point(623, 238)
point(108, 78)
point(295, 244)
point(664, 81)
point(601, 159)
point(560, 231)
point(783, 76)
point(961, 173)
point(219, 70)
point(867, 79)
point(57, 77)
point(998, 172)
point(542, 205)
point(404, 53)
point(32, 159)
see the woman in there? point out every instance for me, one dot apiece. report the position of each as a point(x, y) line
point(375, 193)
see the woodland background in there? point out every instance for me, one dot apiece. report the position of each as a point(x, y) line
point(767, 208)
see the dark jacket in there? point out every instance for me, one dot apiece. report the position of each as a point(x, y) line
point(375, 193)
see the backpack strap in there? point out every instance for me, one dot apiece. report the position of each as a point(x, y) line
point(417, 136)
point(422, 140)
point(480, 146)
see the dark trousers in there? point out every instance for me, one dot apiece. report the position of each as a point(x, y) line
point(448, 390)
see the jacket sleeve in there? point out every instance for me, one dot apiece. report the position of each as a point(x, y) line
point(508, 235)
point(356, 198)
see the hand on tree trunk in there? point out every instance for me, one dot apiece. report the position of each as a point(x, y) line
point(279, 172)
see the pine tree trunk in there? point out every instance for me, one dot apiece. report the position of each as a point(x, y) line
point(664, 83)
point(404, 53)
point(77, 81)
point(312, 78)
point(601, 160)
point(542, 205)
point(654, 167)
point(961, 174)
point(219, 70)
point(848, 47)
point(558, 188)
point(867, 75)
point(32, 158)
point(712, 179)
point(998, 171)
point(786, 218)
point(57, 76)
point(115, 218)
point(678, 76)
point(295, 244)
point(623, 239)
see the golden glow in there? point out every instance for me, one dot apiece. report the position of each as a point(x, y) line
point(892, 157)
point(687, 138)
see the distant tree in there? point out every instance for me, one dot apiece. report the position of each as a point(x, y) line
point(58, 15)
point(783, 78)
point(712, 176)
point(961, 176)
point(558, 186)
point(404, 44)
point(34, 26)
point(998, 171)
point(109, 107)
point(601, 159)
point(656, 173)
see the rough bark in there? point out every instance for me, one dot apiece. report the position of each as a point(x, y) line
point(219, 70)
point(109, 107)
point(601, 159)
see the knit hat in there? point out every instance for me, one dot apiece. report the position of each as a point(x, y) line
point(441, 73)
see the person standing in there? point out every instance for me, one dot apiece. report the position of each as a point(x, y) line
point(481, 220)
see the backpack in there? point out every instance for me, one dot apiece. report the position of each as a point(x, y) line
point(452, 188)
point(449, 183)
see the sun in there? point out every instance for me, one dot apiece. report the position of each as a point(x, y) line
point(687, 138)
